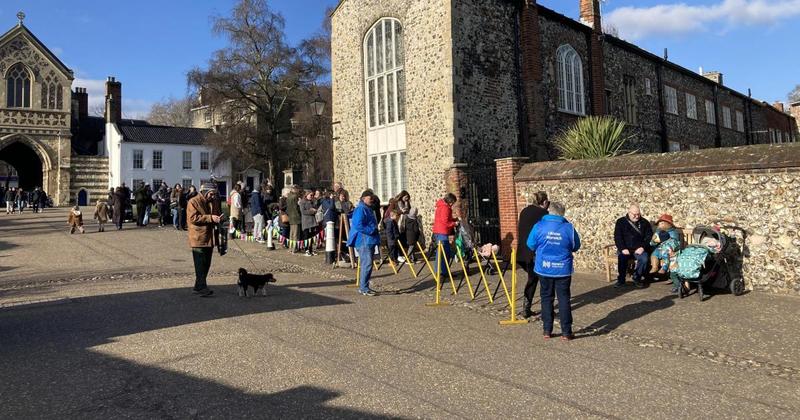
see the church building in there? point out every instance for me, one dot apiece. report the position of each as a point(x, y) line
point(49, 139)
point(428, 93)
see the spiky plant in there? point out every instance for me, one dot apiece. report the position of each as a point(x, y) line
point(592, 138)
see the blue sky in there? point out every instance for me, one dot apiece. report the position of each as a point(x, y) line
point(150, 45)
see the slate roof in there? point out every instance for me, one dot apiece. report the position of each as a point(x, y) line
point(135, 131)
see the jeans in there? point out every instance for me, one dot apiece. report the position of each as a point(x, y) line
point(642, 260)
point(559, 285)
point(146, 217)
point(441, 264)
point(258, 226)
point(202, 263)
point(9, 206)
point(365, 259)
point(20, 206)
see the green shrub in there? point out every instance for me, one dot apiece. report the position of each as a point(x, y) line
point(592, 138)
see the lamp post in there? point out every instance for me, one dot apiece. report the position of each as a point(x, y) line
point(318, 105)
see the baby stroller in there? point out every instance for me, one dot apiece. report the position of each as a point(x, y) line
point(706, 263)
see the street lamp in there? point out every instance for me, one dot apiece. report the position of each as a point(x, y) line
point(318, 105)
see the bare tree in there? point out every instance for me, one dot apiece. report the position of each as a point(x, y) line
point(172, 112)
point(794, 95)
point(253, 83)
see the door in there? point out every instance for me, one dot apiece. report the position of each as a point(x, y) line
point(83, 198)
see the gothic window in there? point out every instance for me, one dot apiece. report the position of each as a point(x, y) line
point(629, 98)
point(569, 76)
point(18, 87)
point(52, 93)
point(384, 77)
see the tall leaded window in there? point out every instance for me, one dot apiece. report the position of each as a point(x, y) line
point(158, 159)
point(629, 99)
point(18, 87)
point(385, 79)
point(204, 159)
point(187, 160)
point(52, 93)
point(569, 77)
point(138, 159)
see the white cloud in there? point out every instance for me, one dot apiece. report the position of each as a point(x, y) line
point(681, 18)
point(96, 89)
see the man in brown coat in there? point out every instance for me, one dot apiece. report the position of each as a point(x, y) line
point(202, 215)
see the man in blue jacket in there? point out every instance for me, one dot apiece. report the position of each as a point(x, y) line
point(554, 239)
point(364, 237)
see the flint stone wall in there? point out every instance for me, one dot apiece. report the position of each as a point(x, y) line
point(752, 192)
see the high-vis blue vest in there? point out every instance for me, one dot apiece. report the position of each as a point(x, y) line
point(553, 240)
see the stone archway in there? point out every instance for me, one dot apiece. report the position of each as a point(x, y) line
point(31, 161)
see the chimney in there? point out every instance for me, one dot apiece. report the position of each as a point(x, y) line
point(714, 75)
point(590, 15)
point(82, 98)
point(779, 106)
point(113, 100)
point(794, 109)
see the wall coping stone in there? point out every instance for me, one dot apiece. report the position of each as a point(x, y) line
point(701, 162)
point(513, 158)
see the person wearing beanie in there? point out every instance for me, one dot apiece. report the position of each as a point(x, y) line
point(202, 215)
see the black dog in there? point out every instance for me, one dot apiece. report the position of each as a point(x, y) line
point(257, 281)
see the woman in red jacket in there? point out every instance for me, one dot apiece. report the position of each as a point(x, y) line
point(443, 227)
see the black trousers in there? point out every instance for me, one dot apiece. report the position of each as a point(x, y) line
point(202, 263)
point(164, 214)
point(530, 286)
point(140, 214)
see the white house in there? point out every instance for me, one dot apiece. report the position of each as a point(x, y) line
point(139, 152)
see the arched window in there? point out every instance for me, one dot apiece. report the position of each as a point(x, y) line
point(569, 76)
point(385, 80)
point(52, 93)
point(18, 92)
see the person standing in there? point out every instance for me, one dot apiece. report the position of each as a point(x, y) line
point(364, 237)
point(632, 234)
point(161, 198)
point(202, 215)
point(412, 233)
point(443, 228)
point(308, 221)
point(35, 200)
point(528, 217)
point(101, 214)
point(75, 220)
point(42, 200)
point(140, 198)
point(20, 198)
point(554, 240)
point(295, 219)
point(236, 208)
point(9, 197)
point(257, 210)
point(175, 198)
point(119, 207)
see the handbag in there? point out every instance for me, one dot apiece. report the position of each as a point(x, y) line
point(284, 218)
point(319, 216)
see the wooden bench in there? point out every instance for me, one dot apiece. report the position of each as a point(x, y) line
point(609, 253)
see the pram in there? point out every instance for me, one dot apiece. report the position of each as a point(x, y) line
point(712, 270)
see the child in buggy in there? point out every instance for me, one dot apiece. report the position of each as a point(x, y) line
point(465, 246)
point(706, 263)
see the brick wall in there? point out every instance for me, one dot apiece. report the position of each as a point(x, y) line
point(507, 200)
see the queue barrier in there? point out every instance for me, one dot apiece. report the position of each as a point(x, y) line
point(513, 302)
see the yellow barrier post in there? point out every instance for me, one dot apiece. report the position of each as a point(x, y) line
point(438, 301)
point(466, 275)
point(408, 261)
point(391, 264)
point(427, 262)
point(514, 320)
point(483, 276)
point(502, 280)
point(447, 265)
point(358, 275)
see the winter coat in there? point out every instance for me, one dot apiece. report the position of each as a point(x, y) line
point(412, 232)
point(140, 196)
point(175, 198)
point(101, 212)
point(392, 230)
point(201, 226)
point(443, 221)
point(553, 240)
point(628, 237)
point(528, 217)
point(9, 195)
point(363, 228)
point(344, 207)
point(161, 197)
point(236, 205)
point(75, 218)
point(330, 214)
point(119, 207)
point(42, 198)
point(256, 204)
point(293, 209)
point(308, 212)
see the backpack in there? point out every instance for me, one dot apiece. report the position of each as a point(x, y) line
point(319, 216)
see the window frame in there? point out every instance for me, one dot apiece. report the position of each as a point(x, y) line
point(670, 100)
point(630, 103)
point(648, 87)
point(569, 81)
point(156, 185)
point(739, 121)
point(727, 121)
point(184, 166)
point(25, 78)
point(672, 143)
point(207, 161)
point(384, 105)
point(711, 112)
point(691, 111)
point(140, 152)
point(186, 184)
point(385, 182)
point(160, 159)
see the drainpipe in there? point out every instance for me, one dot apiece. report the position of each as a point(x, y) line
point(662, 118)
point(718, 138)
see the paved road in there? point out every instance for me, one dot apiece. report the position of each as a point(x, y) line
point(103, 326)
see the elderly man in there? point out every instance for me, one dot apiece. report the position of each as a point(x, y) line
point(553, 240)
point(202, 215)
point(632, 235)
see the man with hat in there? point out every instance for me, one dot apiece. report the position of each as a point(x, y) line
point(364, 237)
point(202, 215)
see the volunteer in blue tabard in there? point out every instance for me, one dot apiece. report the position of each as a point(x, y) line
point(364, 237)
point(554, 239)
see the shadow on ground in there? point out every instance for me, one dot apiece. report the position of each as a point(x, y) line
point(49, 369)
